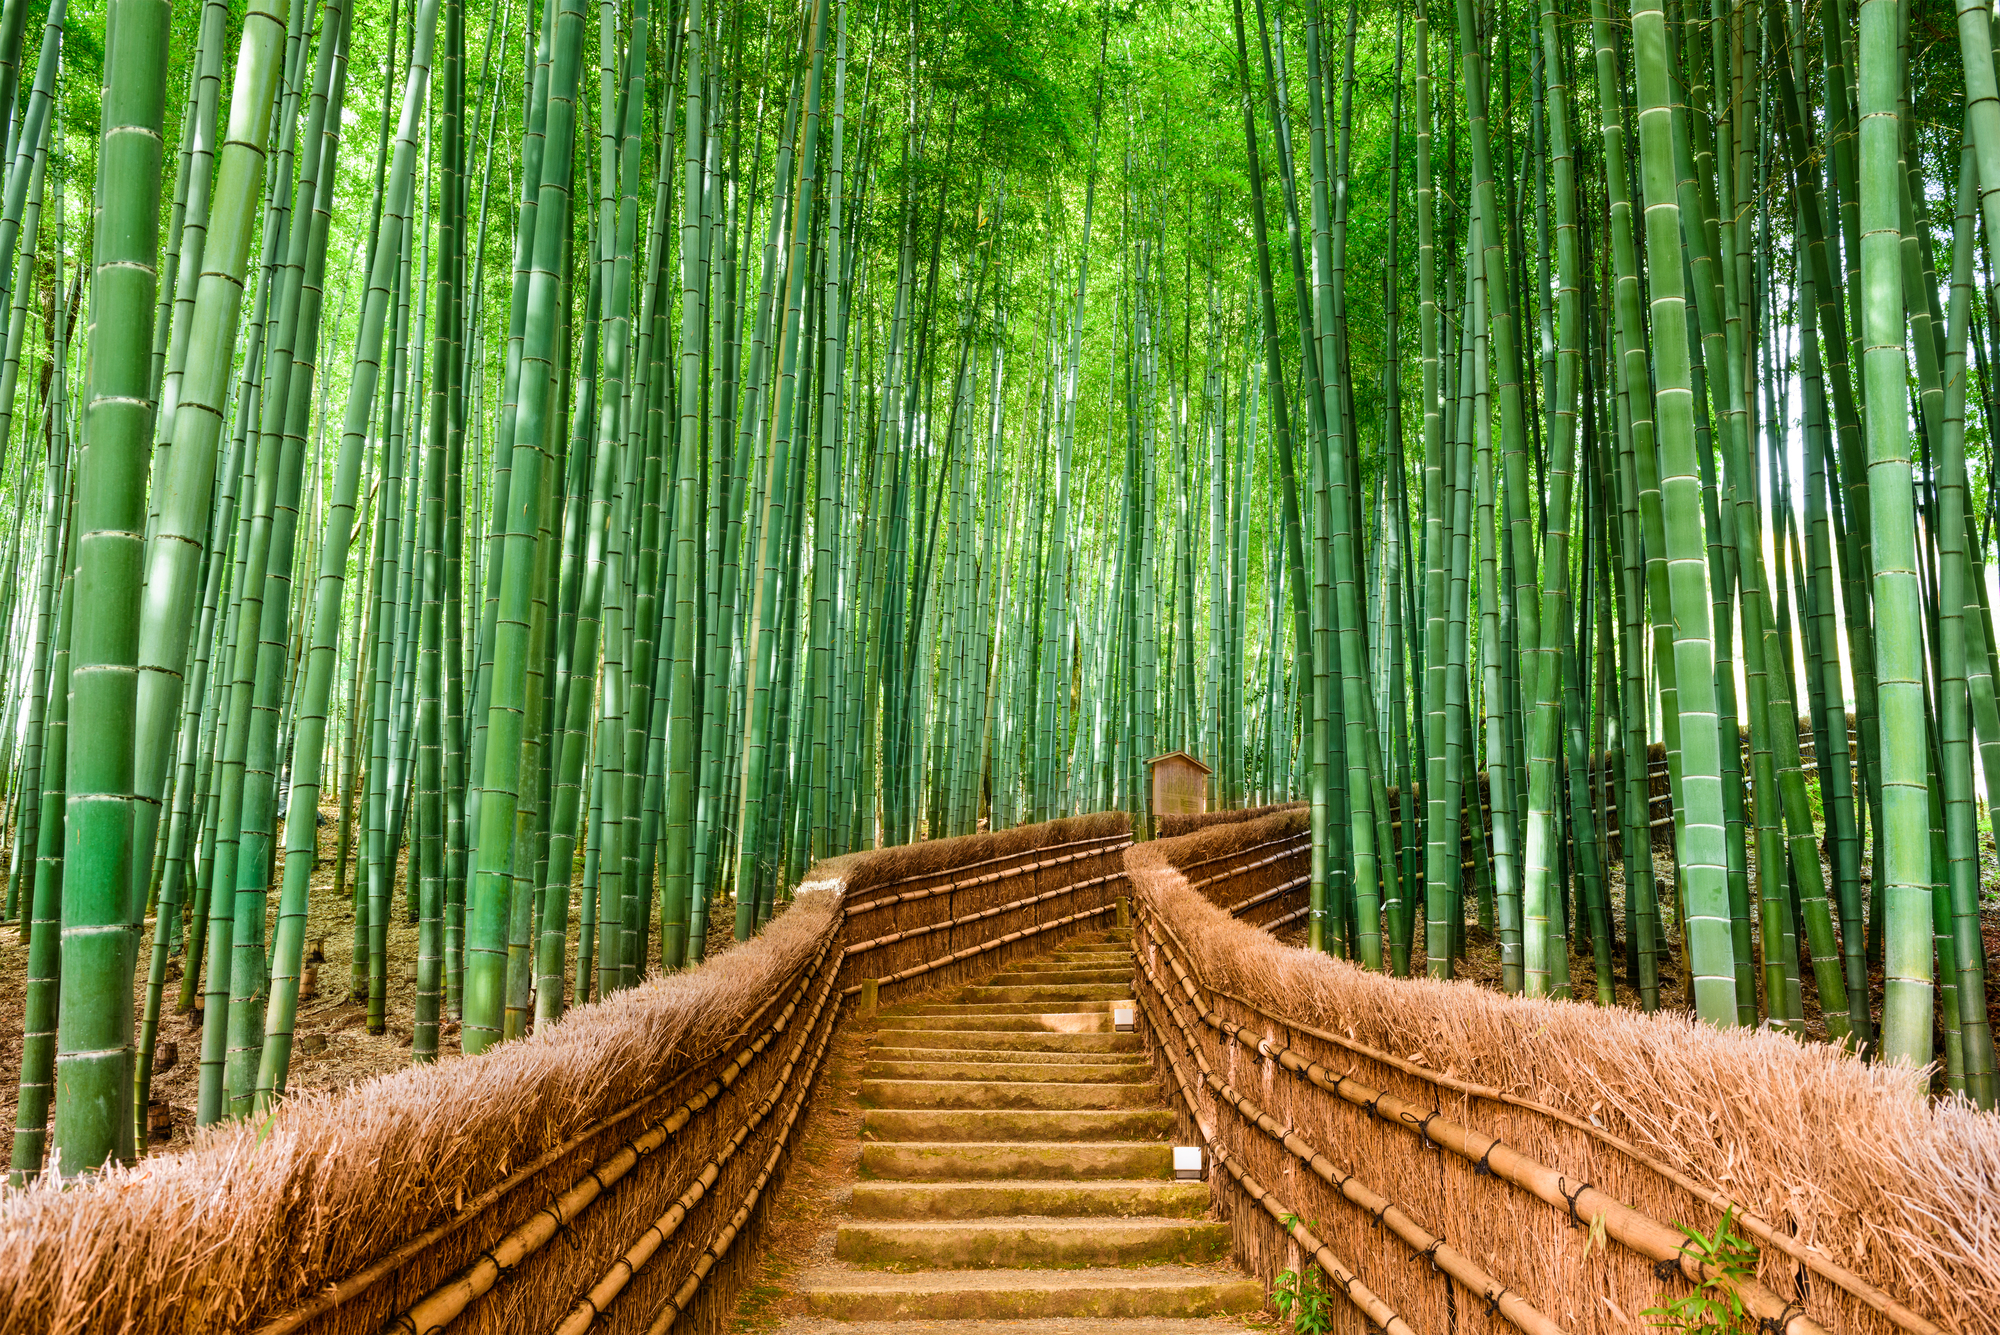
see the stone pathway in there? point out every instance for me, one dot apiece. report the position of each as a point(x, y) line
point(1016, 1173)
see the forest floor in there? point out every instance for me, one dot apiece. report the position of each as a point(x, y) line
point(1481, 961)
point(332, 1047)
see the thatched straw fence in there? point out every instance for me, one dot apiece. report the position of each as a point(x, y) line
point(1474, 1162)
point(605, 1174)
point(1173, 826)
point(927, 914)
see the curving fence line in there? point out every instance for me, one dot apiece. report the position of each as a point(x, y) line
point(603, 1174)
point(1455, 1159)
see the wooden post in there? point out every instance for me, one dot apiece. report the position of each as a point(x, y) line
point(1124, 911)
point(870, 996)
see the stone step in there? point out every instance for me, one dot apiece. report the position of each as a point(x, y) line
point(1047, 1095)
point(1042, 994)
point(1028, 1243)
point(1061, 973)
point(1095, 959)
point(1000, 1005)
point(1014, 1020)
point(1159, 1291)
point(1008, 1040)
point(1044, 1072)
point(1015, 1160)
point(1124, 1198)
point(939, 1124)
point(1035, 1056)
point(1142, 1325)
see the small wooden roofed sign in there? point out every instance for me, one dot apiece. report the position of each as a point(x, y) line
point(1180, 784)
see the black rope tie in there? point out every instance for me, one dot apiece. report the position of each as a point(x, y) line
point(1670, 1267)
point(1379, 1211)
point(1571, 1196)
point(1424, 1130)
point(1483, 1168)
point(554, 1211)
point(1370, 1105)
point(1493, 1297)
point(1775, 1325)
point(1430, 1253)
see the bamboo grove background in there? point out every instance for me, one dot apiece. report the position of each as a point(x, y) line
point(615, 456)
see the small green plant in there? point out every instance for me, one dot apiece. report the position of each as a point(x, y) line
point(1715, 1305)
point(1303, 1298)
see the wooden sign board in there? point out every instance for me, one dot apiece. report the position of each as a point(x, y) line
point(1180, 784)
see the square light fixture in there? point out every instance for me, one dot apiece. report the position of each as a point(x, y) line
point(1187, 1163)
point(1124, 1016)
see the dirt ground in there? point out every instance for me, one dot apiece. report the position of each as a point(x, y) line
point(1481, 961)
point(332, 1047)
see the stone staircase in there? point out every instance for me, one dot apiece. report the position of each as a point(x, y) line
point(1016, 1166)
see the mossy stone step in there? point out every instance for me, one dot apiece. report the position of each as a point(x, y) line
point(1009, 1056)
point(1048, 1095)
point(1012, 1019)
point(1042, 1072)
point(1096, 959)
point(1162, 1291)
point(1061, 977)
point(1047, 1325)
point(1028, 1242)
point(1015, 1160)
point(1015, 1148)
point(1011, 1040)
point(1003, 1005)
point(1122, 1198)
point(990, 1124)
point(1044, 993)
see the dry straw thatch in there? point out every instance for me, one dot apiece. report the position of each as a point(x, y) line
point(1047, 872)
point(1853, 1158)
point(255, 1218)
point(1173, 825)
point(252, 1223)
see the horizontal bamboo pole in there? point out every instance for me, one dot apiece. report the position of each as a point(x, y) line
point(1517, 1310)
point(350, 1287)
point(1810, 1257)
point(916, 970)
point(634, 1258)
point(1380, 1315)
point(1583, 1202)
point(984, 862)
point(911, 896)
point(719, 1245)
point(445, 1303)
point(910, 933)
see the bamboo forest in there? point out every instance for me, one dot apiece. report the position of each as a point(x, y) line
point(502, 502)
